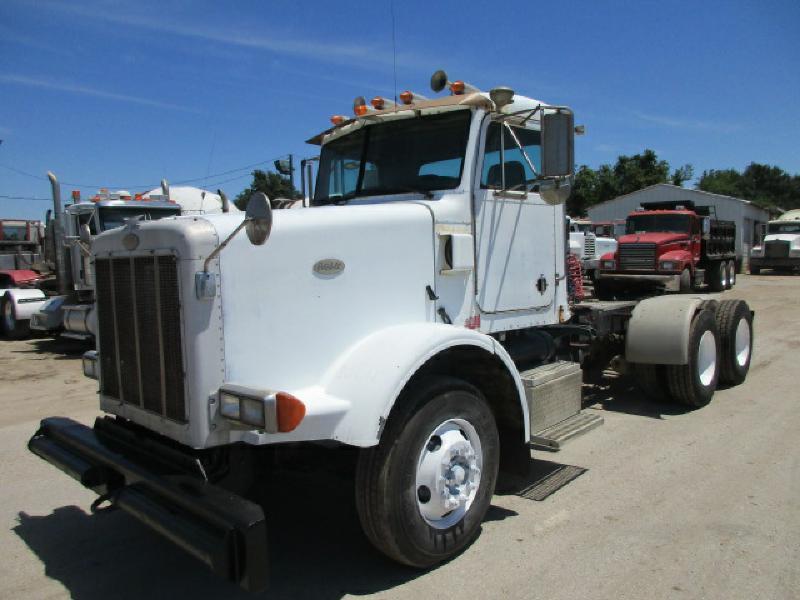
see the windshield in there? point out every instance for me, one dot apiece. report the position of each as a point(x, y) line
point(409, 155)
point(16, 233)
point(115, 216)
point(783, 228)
point(660, 223)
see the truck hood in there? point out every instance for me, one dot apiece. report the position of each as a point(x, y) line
point(325, 278)
point(657, 238)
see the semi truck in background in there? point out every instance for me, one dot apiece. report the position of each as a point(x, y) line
point(670, 246)
point(56, 296)
point(588, 246)
point(780, 248)
point(416, 314)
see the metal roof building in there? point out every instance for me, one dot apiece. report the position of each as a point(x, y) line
point(747, 216)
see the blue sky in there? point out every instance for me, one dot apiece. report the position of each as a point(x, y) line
point(114, 93)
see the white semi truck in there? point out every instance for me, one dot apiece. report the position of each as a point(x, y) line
point(58, 298)
point(416, 312)
point(780, 248)
point(587, 246)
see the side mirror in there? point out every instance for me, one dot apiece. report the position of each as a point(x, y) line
point(85, 234)
point(258, 217)
point(558, 143)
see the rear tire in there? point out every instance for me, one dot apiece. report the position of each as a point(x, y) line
point(442, 432)
point(652, 380)
point(716, 277)
point(12, 327)
point(730, 274)
point(735, 326)
point(694, 384)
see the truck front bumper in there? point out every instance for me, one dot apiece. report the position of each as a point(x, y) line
point(634, 277)
point(769, 263)
point(223, 530)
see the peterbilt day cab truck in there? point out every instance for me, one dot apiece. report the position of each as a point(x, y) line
point(410, 314)
point(780, 248)
point(673, 246)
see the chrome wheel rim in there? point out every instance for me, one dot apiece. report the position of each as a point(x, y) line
point(448, 473)
point(707, 358)
point(742, 342)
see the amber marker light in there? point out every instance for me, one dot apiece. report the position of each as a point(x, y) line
point(377, 103)
point(457, 87)
point(290, 411)
point(360, 109)
point(338, 119)
point(407, 97)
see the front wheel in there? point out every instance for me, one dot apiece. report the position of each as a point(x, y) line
point(423, 491)
point(685, 282)
point(13, 328)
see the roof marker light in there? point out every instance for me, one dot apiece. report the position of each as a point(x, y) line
point(338, 119)
point(457, 87)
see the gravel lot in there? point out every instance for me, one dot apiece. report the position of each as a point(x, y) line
point(673, 504)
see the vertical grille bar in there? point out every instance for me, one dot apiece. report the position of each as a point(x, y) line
point(160, 329)
point(171, 342)
point(137, 347)
point(126, 332)
point(105, 328)
point(146, 316)
point(121, 395)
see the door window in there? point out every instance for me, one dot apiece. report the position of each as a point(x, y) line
point(517, 170)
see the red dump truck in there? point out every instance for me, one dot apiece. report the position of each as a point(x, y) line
point(670, 246)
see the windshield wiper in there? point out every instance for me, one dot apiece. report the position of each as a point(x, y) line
point(342, 199)
point(399, 190)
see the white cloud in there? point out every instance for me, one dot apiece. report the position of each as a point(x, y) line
point(352, 54)
point(72, 88)
point(682, 123)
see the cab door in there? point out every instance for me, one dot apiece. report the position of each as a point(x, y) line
point(514, 228)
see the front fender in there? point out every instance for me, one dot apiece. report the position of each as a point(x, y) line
point(26, 301)
point(372, 374)
point(680, 256)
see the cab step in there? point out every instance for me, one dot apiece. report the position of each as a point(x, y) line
point(554, 437)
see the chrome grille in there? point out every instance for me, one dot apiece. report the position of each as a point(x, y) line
point(637, 257)
point(589, 246)
point(776, 249)
point(139, 333)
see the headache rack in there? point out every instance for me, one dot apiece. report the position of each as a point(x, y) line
point(139, 333)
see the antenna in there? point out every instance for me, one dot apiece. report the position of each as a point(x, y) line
point(394, 50)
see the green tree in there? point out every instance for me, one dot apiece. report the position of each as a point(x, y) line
point(628, 174)
point(272, 184)
point(765, 185)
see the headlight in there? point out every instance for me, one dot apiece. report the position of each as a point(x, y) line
point(229, 405)
point(252, 412)
point(609, 265)
point(667, 265)
point(90, 364)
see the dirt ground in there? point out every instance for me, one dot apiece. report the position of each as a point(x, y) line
point(673, 503)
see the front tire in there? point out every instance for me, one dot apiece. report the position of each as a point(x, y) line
point(13, 328)
point(685, 282)
point(423, 491)
point(694, 384)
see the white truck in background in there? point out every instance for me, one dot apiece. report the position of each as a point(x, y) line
point(587, 246)
point(59, 297)
point(417, 312)
point(780, 248)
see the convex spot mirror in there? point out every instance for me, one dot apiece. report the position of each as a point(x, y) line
point(258, 216)
point(558, 144)
point(85, 234)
